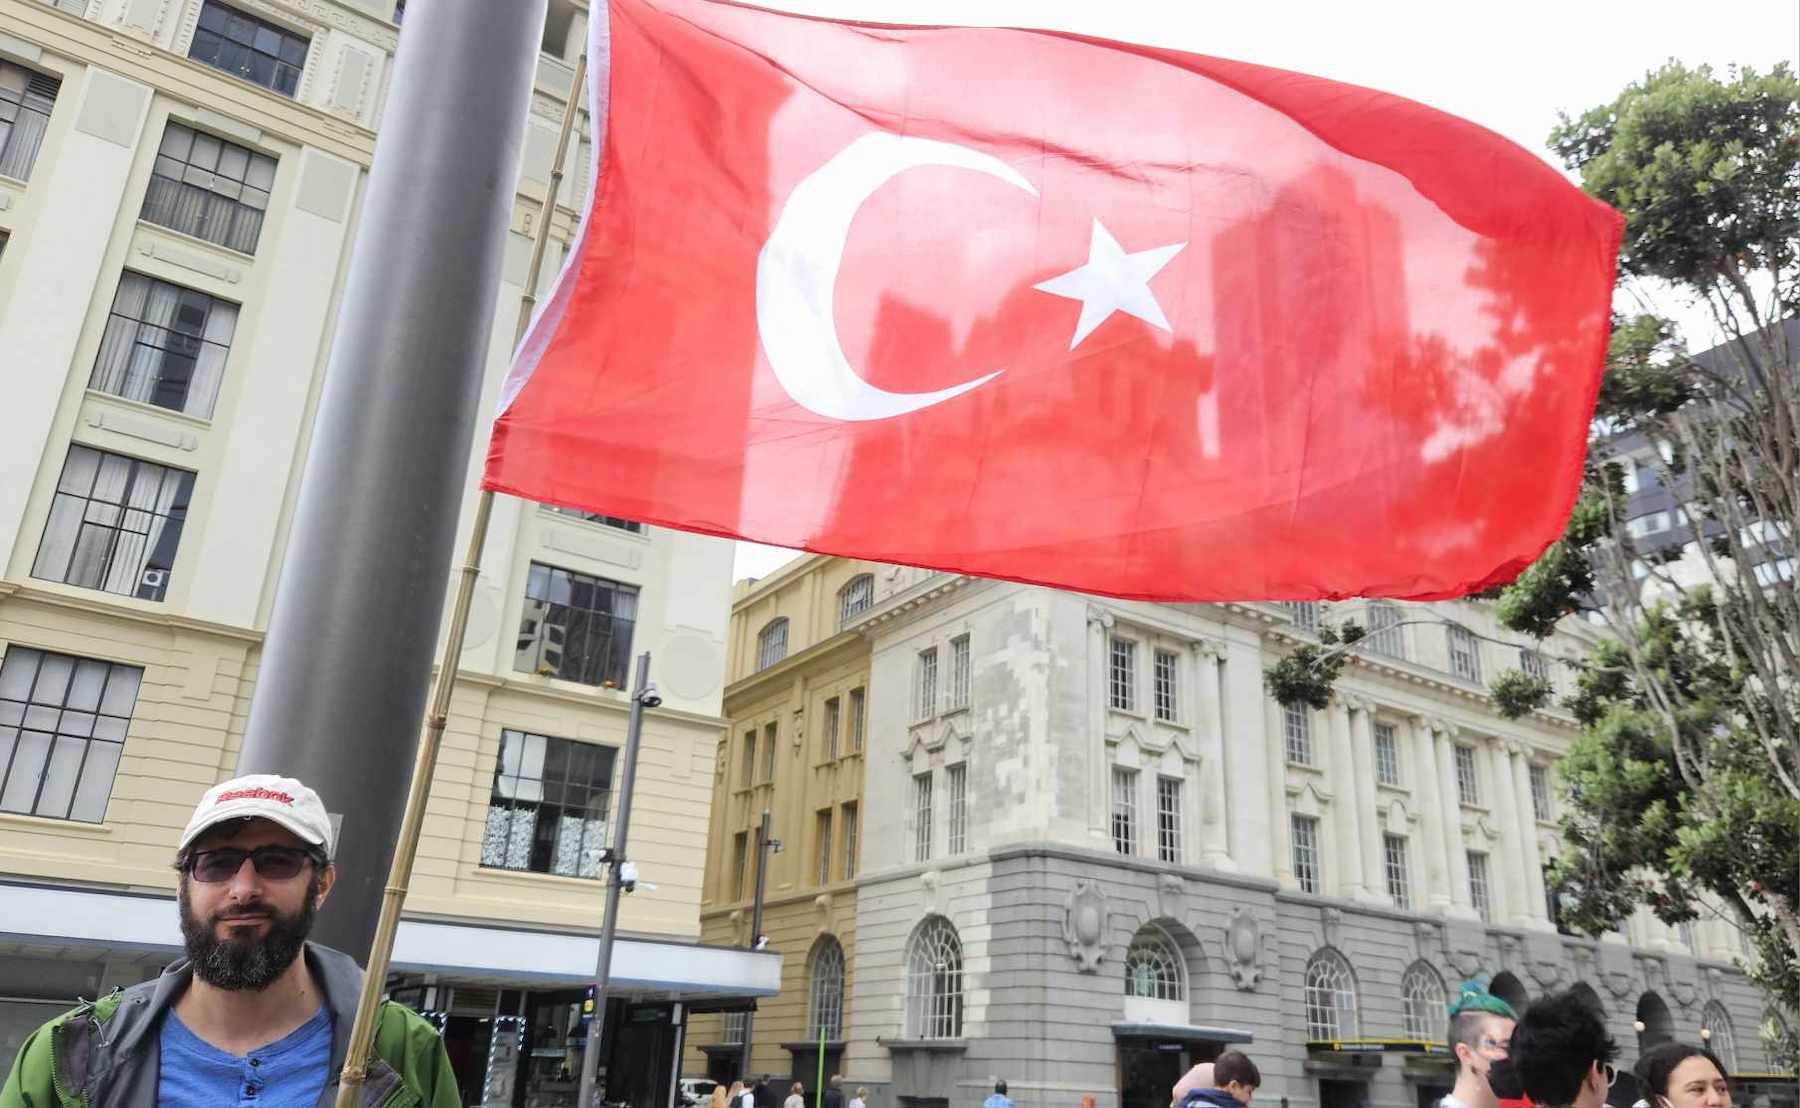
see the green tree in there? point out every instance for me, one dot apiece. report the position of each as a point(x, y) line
point(1684, 787)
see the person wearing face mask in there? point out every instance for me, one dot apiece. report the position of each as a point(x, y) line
point(1479, 1035)
point(1676, 1075)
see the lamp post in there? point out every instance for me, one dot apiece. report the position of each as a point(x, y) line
point(764, 844)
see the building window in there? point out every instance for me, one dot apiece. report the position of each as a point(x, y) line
point(209, 188)
point(26, 98)
point(771, 643)
point(850, 833)
point(1153, 968)
point(922, 817)
point(1716, 1020)
point(1330, 998)
point(824, 845)
point(1468, 787)
point(740, 862)
point(1304, 612)
point(1479, 895)
point(959, 672)
point(956, 778)
point(631, 525)
point(1685, 932)
point(115, 524)
point(732, 1028)
point(1533, 664)
point(244, 46)
point(771, 738)
point(575, 627)
point(1296, 730)
point(1465, 654)
point(856, 597)
point(934, 981)
point(164, 345)
point(1424, 993)
point(1540, 792)
point(925, 684)
point(1168, 819)
point(1123, 680)
point(825, 997)
point(857, 716)
point(547, 812)
point(1124, 810)
point(1163, 691)
point(829, 738)
point(1399, 874)
point(1387, 755)
point(747, 773)
point(1385, 635)
point(1305, 830)
point(62, 726)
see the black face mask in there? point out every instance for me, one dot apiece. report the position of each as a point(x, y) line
point(250, 962)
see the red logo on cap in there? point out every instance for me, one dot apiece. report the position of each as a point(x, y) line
point(255, 794)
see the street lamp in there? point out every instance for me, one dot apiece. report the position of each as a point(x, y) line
point(758, 941)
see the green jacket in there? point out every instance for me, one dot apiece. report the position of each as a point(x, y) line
point(104, 1054)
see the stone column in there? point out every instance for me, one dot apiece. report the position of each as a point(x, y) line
point(1099, 624)
point(1537, 909)
point(1431, 814)
point(1443, 743)
point(1350, 879)
point(1215, 819)
point(1278, 805)
point(1362, 753)
point(1257, 830)
point(1510, 875)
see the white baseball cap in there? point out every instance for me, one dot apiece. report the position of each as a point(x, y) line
point(281, 800)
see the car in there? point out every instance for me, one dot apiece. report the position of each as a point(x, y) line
point(694, 1091)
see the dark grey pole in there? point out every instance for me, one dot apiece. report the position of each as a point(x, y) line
point(643, 695)
point(347, 662)
point(763, 845)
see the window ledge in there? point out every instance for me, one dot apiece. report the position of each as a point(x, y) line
point(54, 825)
point(924, 1046)
point(533, 877)
point(226, 252)
point(199, 423)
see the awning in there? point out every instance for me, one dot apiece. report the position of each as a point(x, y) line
point(68, 919)
point(1183, 1032)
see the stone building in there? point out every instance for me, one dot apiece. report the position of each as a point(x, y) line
point(180, 181)
point(1101, 852)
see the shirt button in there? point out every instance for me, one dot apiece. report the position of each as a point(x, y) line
point(256, 1061)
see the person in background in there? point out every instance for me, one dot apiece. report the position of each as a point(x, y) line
point(1562, 1053)
point(796, 1097)
point(861, 1099)
point(739, 1096)
point(1676, 1075)
point(1235, 1081)
point(719, 1099)
point(1200, 1077)
point(999, 1099)
point(1504, 1080)
point(762, 1094)
point(834, 1092)
point(1480, 1034)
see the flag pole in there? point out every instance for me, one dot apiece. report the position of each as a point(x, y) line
point(356, 1060)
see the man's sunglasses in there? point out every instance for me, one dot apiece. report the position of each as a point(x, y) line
point(277, 863)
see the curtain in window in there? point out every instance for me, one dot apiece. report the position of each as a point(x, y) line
point(164, 345)
point(25, 102)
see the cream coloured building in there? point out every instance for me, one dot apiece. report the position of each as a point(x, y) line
point(180, 181)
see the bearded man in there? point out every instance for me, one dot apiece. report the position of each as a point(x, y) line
point(254, 1014)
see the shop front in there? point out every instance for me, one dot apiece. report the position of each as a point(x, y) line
point(1152, 1057)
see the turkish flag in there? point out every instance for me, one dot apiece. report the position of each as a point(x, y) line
point(1036, 306)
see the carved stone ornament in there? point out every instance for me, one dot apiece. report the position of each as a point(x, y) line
point(1084, 926)
point(1429, 937)
point(1243, 938)
point(1331, 921)
point(1171, 892)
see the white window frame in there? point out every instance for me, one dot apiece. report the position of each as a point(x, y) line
point(922, 785)
point(1303, 833)
point(1296, 733)
point(1125, 810)
point(771, 643)
point(1169, 830)
point(1468, 778)
point(1481, 885)
point(961, 672)
point(1165, 666)
point(1398, 866)
point(925, 682)
point(956, 783)
point(1387, 754)
point(1121, 675)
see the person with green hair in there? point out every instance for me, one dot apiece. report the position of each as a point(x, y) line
point(1480, 1034)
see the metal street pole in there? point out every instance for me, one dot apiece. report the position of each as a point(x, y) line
point(643, 695)
point(763, 845)
point(347, 660)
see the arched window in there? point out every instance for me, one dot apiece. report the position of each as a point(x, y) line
point(1778, 1040)
point(1423, 990)
point(1153, 967)
point(934, 981)
point(771, 643)
point(1330, 997)
point(825, 998)
point(856, 597)
point(1715, 1033)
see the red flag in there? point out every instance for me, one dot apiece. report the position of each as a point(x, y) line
point(1036, 306)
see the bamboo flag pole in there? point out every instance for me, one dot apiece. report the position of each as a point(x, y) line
point(362, 1032)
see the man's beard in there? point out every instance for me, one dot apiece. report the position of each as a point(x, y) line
point(249, 961)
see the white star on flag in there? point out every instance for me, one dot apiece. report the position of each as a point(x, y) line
point(1112, 281)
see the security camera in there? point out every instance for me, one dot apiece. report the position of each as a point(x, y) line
point(628, 876)
point(762, 943)
point(650, 698)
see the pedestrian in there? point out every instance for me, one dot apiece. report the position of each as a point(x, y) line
point(999, 1099)
point(719, 1098)
point(739, 1097)
point(834, 1092)
point(1235, 1080)
point(762, 1094)
point(254, 1010)
point(1562, 1053)
point(1200, 1077)
point(1479, 1034)
point(796, 1097)
point(1676, 1075)
point(861, 1099)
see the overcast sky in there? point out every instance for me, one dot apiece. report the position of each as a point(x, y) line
point(1510, 67)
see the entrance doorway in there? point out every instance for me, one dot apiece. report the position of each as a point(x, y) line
point(1343, 1094)
point(1148, 1070)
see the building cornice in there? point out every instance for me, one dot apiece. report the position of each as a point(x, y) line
point(165, 620)
point(910, 602)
